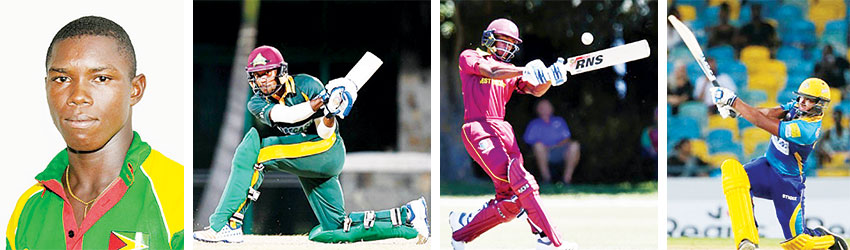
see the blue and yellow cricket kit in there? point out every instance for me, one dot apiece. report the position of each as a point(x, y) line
point(779, 175)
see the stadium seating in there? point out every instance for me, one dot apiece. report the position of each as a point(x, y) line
point(686, 12)
point(752, 137)
point(722, 52)
point(736, 70)
point(696, 111)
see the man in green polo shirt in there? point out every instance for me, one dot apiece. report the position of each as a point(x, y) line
point(107, 189)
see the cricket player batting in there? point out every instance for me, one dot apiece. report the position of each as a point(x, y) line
point(296, 131)
point(778, 175)
point(488, 81)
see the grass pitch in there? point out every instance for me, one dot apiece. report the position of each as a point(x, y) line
point(301, 242)
point(716, 243)
point(622, 221)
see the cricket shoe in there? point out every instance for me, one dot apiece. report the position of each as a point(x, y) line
point(747, 245)
point(543, 243)
point(839, 244)
point(418, 217)
point(457, 220)
point(227, 234)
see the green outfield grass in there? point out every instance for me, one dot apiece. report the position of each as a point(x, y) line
point(457, 188)
point(715, 243)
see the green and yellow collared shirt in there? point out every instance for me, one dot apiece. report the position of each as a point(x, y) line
point(142, 209)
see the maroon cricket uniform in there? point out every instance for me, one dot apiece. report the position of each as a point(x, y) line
point(490, 141)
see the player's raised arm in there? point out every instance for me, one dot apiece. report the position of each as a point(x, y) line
point(726, 98)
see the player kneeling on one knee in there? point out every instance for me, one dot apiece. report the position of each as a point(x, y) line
point(778, 175)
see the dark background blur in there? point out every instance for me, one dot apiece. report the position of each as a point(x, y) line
point(607, 125)
point(323, 39)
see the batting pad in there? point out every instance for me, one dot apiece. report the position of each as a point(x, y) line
point(736, 187)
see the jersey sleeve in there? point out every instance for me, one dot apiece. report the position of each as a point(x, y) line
point(20, 217)
point(259, 108)
point(469, 61)
point(799, 132)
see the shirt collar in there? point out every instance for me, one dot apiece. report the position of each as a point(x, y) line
point(138, 152)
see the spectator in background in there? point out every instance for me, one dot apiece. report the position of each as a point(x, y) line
point(685, 163)
point(681, 88)
point(831, 68)
point(551, 139)
point(835, 140)
point(723, 33)
point(703, 88)
point(757, 31)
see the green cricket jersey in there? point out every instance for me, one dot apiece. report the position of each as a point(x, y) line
point(290, 140)
point(143, 208)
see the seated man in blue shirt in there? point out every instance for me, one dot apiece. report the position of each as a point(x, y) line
point(550, 137)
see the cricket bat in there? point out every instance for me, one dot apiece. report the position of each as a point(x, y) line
point(364, 69)
point(693, 46)
point(608, 57)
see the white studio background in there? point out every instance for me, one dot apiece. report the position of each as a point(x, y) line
point(28, 138)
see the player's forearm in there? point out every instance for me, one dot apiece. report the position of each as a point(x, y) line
point(538, 90)
point(291, 114)
point(756, 117)
point(499, 72)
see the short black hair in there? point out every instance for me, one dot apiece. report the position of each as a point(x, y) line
point(96, 26)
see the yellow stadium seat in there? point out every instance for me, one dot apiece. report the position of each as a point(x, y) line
point(716, 159)
point(699, 149)
point(770, 84)
point(834, 97)
point(717, 122)
point(686, 12)
point(752, 137)
point(834, 172)
point(752, 54)
point(821, 12)
point(836, 161)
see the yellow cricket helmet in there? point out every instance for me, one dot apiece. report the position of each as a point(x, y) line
point(816, 89)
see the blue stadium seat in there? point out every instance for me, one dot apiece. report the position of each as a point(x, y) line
point(679, 53)
point(799, 67)
point(695, 110)
point(794, 81)
point(736, 70)
point(709, 15)
point(723, 52)
point(814, 54)
point(788, 53)
point(759, 151)
point(753, 97)
point(718, 137)
point(743, 123)
point(694, 72)
point(785, 96)
point(800, 32)
point(729, 147)
point(787, 14)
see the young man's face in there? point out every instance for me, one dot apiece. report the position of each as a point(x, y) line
point(503, 45)
point(266, 80)
point(806, 104)
point(90, 90)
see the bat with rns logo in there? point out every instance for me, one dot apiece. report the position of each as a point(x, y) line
point(608, 57)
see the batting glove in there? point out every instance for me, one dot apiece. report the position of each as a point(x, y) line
point(723, 96)
point(535, 72)
point(559, 73)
